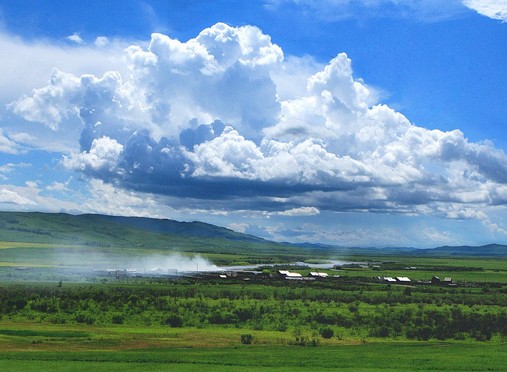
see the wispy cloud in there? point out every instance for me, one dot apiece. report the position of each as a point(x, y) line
point(75, 38)
point(7, 168)
point(59, 186)
point(7, 145)
point(239, 227)
point(102, 41)
point(12, 197)
point(301, 211)
point(151, 17)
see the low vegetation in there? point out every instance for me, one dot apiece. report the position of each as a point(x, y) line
point(317, 308)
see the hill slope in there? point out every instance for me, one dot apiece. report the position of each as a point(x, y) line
point(59, 227)
point(130, 232)
point(148, 233)
point(166, 226)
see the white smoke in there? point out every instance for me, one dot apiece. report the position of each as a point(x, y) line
point(174, 262)
point(112, 260)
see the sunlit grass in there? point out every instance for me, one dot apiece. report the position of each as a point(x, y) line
point(10, 245)
point(387, 356)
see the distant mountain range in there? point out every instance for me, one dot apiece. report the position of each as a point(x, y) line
point(102, 230)
point(464, 250)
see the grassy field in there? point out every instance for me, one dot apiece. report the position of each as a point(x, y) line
point(482, 276)
point(45, 326)
point(366, 357)
point(56, 347)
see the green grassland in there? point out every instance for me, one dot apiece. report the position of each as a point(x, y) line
point(55, 314)
point(472, 270)
point(200, 323)
point(363, 357)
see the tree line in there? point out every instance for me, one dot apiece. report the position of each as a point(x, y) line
point(331, 309)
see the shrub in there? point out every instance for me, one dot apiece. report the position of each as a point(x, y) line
point(84, 318)
point(326, 332)
point(301, 340)
point(58, 318)
point(117, 319)
point(174, 321)
point(246, 339)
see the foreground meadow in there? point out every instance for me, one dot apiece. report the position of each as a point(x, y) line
point(388, 356)
point(269, 324)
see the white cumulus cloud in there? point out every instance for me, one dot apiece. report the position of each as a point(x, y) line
point(103, 156)
point(495, 9)
point(108, 199)
point(203, 119)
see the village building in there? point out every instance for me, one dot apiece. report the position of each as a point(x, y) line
point(403, 279)
point(290, 275)
point(315, 274)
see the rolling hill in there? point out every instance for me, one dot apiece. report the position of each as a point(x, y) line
point(163, 234)
point(98, 229)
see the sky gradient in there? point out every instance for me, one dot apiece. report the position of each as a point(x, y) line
point(347, 122)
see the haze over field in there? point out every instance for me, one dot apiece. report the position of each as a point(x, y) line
point(362, 123)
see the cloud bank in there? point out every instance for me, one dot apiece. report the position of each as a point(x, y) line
point(211, 120)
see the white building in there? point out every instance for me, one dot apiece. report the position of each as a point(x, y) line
point(318, 275)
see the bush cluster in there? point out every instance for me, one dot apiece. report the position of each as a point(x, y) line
point(375, 310)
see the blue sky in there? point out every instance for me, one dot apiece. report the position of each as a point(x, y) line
point(349, 122)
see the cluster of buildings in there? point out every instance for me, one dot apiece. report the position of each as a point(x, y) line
point(297, 276)
point(246, 275)
point(406, 280)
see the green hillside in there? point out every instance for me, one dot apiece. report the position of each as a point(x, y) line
point(119, 237)
point(91, 229)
